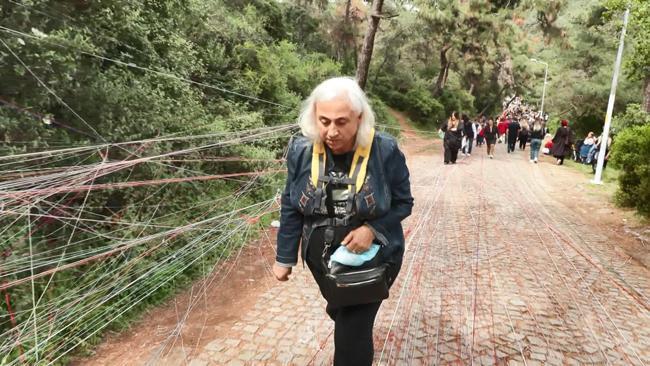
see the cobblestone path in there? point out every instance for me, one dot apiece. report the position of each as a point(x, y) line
point(498, 271)
point(502, 267)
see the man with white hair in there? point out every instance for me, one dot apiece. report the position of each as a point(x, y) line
point(347, 192)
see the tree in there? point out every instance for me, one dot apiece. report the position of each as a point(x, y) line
point(462, 55)
point(580, 66)
point(638, 36)
point(134, 71)
point(369, 42)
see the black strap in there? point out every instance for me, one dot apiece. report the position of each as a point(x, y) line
point(328, 238)
point(347, 221)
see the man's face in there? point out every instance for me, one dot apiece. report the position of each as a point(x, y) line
point(337, 124)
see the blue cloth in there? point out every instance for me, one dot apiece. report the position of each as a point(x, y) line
point(343, 256)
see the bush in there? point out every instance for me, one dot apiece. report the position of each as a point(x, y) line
point(412, 96)
point(230, 50)
point(631, 153)
point(386, 122)
point(634, 116)
point(423, 106)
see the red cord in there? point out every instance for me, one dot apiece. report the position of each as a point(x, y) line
point(13, 324)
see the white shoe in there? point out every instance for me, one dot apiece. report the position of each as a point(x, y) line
point(532, 161)
point(469, 154)
point(491, 156)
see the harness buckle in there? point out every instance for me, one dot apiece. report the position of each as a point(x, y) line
point(329, 235)
point(328, 238)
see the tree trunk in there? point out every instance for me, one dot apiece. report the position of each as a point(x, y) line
point(344, 43)
point(494, 101)
point(444, 70)
point(383, 64)
point(446, 75)
point(347, 11)
point(646, 95)
point(385, 60)
point(368, 43)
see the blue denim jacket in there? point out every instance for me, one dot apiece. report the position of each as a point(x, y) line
point(382, 203)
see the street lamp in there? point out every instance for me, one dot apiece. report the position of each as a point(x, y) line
point(544, 89)
point(604, 138)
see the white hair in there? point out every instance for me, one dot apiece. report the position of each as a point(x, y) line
point(331, 89)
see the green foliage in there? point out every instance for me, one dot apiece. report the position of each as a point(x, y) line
point(455, 98)
point(580, 67)
point(631, 153)
point(384, 119)
point(461, 59)
point(249, 65)
point(415, 99)
point(421, 105)
point(634, 116)
point(553, 124)
point(638, 59)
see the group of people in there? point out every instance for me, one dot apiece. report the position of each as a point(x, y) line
point(586, 151)
point(518, 125)
point(459, 134)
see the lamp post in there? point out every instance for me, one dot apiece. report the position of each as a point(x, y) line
point(541, 109)
point(604, 138)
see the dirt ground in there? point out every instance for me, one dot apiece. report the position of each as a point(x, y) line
point(507, 262)
point(210, 305)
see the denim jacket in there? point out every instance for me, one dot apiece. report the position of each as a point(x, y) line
point(382, 203)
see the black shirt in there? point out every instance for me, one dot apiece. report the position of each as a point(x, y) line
point(513, 128)
point(337, 194)
point(537, 134)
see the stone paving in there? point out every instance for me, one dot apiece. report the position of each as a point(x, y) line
point(494, 274)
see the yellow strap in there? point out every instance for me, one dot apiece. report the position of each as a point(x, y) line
point(319, 150)
point(361, 151)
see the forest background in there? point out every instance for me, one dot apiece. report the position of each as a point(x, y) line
point(81, 73)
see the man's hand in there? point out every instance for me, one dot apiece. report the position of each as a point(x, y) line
point(281, 273)
point(359, 240)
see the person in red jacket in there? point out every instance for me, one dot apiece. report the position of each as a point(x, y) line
point(549, 145)
point(502, 126)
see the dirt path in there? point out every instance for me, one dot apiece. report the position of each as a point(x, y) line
point(507, 262)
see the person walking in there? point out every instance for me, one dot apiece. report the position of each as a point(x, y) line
point(502, 125)
point(536, 136)
point(491, 134)
point(452, 138)
point(608, 151)
point(480, 137)
point(469, 130)
point(347, 191)
point(562, 142)
point(513, 132)
point(523, 135)
point(586, 147)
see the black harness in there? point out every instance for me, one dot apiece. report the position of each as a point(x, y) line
point(342, 285)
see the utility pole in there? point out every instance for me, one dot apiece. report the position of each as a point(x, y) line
point(610, 107)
